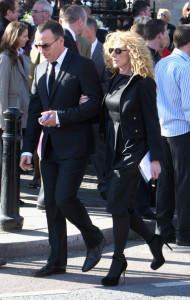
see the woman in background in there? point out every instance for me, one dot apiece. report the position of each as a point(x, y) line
point(14, 69)
point(164, 14)
point(186, 9)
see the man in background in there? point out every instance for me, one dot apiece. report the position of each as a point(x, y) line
point(98, 158)
point(155, 32)
point(9, 12)
point(172, 76)
point(73, 20)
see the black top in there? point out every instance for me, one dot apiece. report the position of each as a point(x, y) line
point(113, 98)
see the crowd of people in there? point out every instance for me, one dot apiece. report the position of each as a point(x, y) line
point(112, 102)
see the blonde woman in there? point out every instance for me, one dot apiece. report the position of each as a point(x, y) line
point(164, 14)
point(186, 9)
point(131, 127)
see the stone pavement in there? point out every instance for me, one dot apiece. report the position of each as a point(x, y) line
point(33, 238)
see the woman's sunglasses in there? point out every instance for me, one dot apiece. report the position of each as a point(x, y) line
point(117, 50)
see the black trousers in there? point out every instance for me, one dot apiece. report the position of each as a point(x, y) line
point(62, 179)
point(173, 187)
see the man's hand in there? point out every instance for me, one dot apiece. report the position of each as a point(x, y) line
point(155, 169)
point(83, 99)
point(51, 121)
point(25, 162)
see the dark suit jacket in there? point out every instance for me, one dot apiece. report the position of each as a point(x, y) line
point(3, 24)
point(74, 137)
point(138, 114)
point(98, 60)
point(69, 42)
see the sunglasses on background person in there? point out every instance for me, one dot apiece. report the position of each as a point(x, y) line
point(116, 50)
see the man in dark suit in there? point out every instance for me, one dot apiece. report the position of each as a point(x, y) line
point(98, 158)
point(9, 12)
point(67, 141)
point(73, 20)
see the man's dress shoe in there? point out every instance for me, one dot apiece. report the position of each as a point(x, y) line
point(49, 269)
point(149, 215)
point(2, 262)
point(93, 256)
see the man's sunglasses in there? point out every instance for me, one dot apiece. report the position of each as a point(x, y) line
point(117, 50)
point(46, 46)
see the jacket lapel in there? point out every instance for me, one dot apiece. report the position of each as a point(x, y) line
point(42, 77)
point(21, 67)
point(62, 72)
point(97, 52)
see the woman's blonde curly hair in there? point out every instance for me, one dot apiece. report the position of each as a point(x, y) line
point(140, 57)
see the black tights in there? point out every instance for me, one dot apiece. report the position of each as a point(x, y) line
point(121, 226)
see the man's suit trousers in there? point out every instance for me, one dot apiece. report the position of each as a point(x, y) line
point(173, 188)
point(62, 179)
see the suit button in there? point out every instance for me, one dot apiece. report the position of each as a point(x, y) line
point(135, 118)
point(136, 130)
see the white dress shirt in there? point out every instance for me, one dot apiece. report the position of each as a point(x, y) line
point(93, 46)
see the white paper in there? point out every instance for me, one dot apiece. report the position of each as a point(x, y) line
point(145, 167)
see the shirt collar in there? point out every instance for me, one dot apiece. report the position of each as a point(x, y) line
point(61, 57)
point(20, 51)
point(181, 53)
point(93, 46)
point(72, 32)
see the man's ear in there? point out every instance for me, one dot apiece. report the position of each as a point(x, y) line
point(61, 40)
point(9, 12)
point(60, 21)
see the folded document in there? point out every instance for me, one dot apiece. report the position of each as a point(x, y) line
point(145, 167)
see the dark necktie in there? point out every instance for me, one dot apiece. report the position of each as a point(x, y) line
point(51, 78)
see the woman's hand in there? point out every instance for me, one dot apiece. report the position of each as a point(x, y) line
point(155, 169)
point(83, 99)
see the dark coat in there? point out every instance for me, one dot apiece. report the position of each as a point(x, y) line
point(3, 24)
point(138, 114)
point(69, 42)
point(98, 60)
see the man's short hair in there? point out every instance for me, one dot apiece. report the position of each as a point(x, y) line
point(52, 25)
point(72, 14)
point(181, 36)
point(6, 5)
point(138, 7)
point(46, 6)
point(152, 28)
point(91, 22)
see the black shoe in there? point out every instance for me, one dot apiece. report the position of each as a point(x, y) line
point(2, 262)
point(93, 256)
point(155, 245)
point(40, 206)
point(182, 243)
point(22, 203)
point(149, 215)
point(49, 269)
point(118, 266)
